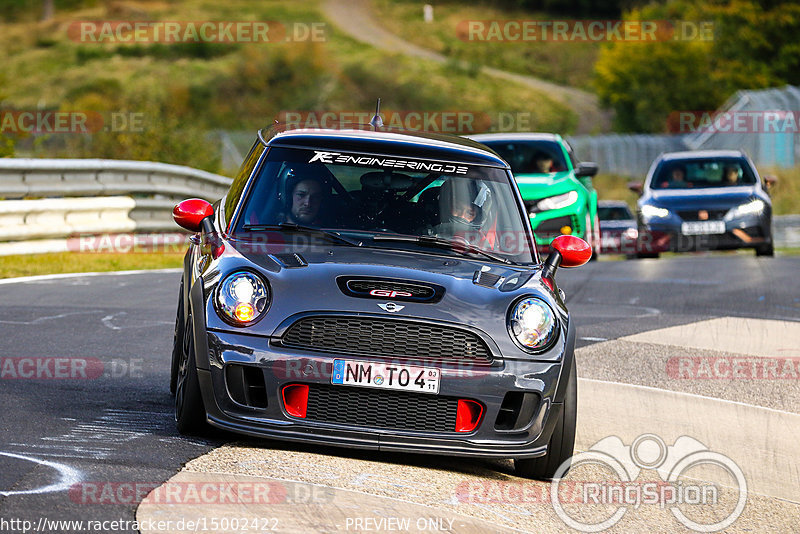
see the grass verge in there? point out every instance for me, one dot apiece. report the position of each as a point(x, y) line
point(567, 63)
point(77, 262)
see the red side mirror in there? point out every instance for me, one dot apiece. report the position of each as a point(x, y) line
point(190, 213)
point(574, 250)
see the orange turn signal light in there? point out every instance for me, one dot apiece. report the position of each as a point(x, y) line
point(244, 312)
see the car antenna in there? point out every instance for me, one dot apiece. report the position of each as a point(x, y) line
point(376, 121)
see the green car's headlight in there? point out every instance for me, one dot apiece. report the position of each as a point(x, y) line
point(532, 324)
point(558, 201)
point(242, 298)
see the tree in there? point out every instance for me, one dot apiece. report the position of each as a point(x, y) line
point(753, 46)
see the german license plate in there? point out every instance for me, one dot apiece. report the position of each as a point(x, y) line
point(386, 376)
point(703, 227)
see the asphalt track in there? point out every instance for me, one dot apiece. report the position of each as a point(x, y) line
point(115, 427)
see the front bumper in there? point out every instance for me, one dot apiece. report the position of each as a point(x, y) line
point(547, 224)
point(749, 232)
point(489, 385)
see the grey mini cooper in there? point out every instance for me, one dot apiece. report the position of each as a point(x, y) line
point(378, 289)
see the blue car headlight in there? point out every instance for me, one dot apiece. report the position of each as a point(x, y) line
point(242, 298)
point(654, 212)
point(532, 324)
point(751, 208)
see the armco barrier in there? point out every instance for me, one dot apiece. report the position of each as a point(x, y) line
point(118, 197)
point(786, 230)
point(20, 178)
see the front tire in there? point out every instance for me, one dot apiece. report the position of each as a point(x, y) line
point(562, 442)
point(177, 343)
point(190, 414)
point(765, 250)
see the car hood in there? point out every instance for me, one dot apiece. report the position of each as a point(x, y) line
point(533, 186)
point(711, 198)
point(313, 287)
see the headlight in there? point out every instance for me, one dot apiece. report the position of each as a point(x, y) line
point(630, 233)
point(751, 208)
point(532, 324)
point(650, 212)
point(557, 201)
point(242, 298)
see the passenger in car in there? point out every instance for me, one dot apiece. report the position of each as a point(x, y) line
point(731, 175)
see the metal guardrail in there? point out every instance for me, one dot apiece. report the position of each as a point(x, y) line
point(117, 196)
point(20, 178)
point(786, 230)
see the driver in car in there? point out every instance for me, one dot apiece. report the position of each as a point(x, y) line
point(465, 207)
point(303, 198)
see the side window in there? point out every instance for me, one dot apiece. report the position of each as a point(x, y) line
point(235, 192)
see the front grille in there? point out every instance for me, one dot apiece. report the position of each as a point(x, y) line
point(392, 289)
point(381, 408)
point(365, 336)
point(694, 215)
point(552, 227)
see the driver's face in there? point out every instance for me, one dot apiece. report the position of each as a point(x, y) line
point(545, 164)
point(306, 200)
point(464, 210)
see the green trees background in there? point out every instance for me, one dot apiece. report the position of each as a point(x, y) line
point(754, 45)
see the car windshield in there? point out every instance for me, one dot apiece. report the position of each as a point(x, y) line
point(387, 202)
point(614, 213)
point(702, 173)
point(530, 157)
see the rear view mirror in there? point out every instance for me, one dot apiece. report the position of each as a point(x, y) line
point(568, 251)
point(636, 187)
point(770, 180)
point(190, 213)
point(586, 168)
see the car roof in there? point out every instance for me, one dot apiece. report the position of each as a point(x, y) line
point(699, 154)
point(384, 141)
point(516, 136)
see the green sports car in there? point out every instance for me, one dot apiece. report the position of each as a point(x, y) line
point(556, 188)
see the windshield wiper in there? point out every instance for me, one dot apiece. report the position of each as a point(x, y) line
point(294, 227)
point(440, 242)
